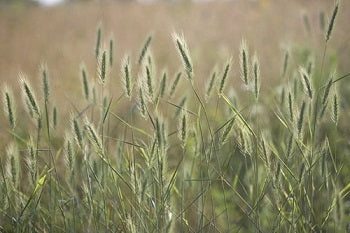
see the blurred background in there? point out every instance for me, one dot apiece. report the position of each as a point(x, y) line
point(62, 34)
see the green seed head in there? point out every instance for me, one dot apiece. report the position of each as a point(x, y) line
point(29, 95)
point(45, 78)
point(244, 62)
point(144, 49)
point(306, 81)
point(98, 41)
point(85, 81)
point(182, 48)
point(126, 76)
point(224, 76)
point(331, 22)
point(175, 84)
point(210, 85)
point(9, 107)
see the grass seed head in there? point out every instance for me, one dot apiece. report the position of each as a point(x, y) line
point(180, 106)
point(111, 52)
point(327, 89)
point(306, 81)
point(102, 67)
point(9, 107)
point(290, 106)
point(285, 63)
point(98, 41)
point(301, 118)
point(163, 85)
point(29, 95)
point(335, 108)
point(69, 152)
point(142, 103)
point(93, 136)
point(227, 130)
point(85, 82)
point(144, 49)
point(244, 62)
point(331, 22)
point(45, 82)
point(256, 73)
point(54, 117)
point(126, 75)
point(182, 48)
point(77, 132)
point(149, 81)
point(224, 76)
point(183, 128)
point(175, 84)
point(210, 85)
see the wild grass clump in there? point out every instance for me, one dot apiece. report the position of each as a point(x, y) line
point(153, 156)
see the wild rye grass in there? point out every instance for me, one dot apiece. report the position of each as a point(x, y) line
point(171, 162)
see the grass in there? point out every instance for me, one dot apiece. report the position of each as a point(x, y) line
point(170, 155)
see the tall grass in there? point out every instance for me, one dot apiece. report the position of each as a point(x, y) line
point(167, 161)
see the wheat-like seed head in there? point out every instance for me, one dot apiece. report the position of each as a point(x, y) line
point(85, 81)
point(164, 129)
point(94, 94)
point(324, 108)
point(45, 82)
point(331, 22)
point(285, 62)
point(290, 106)
point(102, 67)
point(76, 131)
point(126, 75)
point(244, 61)
point(93, 136)
point(158, 123)
point(306, 81)
point(180, 106)
point(256, 74)
point(144, 49)
point(227, 129)
point(290, 146)
point(31, 161)
point(224, 76)
point(182, 48)
point(175, 84)
point(29, 95)
point(283, 96)
point(335, 108)
point(13, 163)
point(210, 85)
point(183, 128)
point(142, 103)
point(310, 65)
point(9, 107)
point(98, 41)
point(327, 89)
point(111, 51)
point(301, 118)
point(54, 117)
point(149, 81)
point(69, 152)
point(162, 87)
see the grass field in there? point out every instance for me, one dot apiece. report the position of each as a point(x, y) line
point(253, 137)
